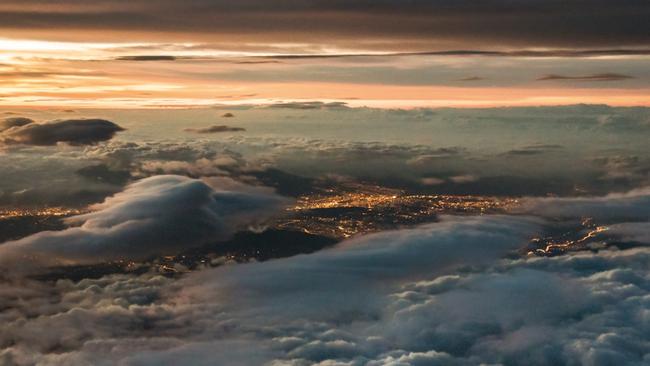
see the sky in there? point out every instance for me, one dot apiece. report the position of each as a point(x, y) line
point(143, 54)
point(324, 182)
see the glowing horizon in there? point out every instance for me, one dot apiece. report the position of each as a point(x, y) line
point(44, 73)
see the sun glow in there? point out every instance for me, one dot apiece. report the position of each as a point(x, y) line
point(38, 73)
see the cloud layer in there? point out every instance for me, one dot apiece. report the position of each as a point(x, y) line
point(594, 77)
point(10, 122)
point(454, 292)
point(216, 129)
point(426, 24)
point(437, 294)
point(154, 216)
point(73, 132)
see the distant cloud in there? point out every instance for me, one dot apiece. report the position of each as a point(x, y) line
point(465, 178)
point(198, 168)
point(147, 58)
point(534, 149)
point(575, 53)
point(425, 24)
point(308, 105)
point(524, 152)
point(254, 62)
point(102, 173)
point(72, 131)
point(633, 205)
point(435, 155)
point(632, 231)
point(592, 77)
point(471, 78)
point(216, 128)
point(431, 181)
point(10, 122)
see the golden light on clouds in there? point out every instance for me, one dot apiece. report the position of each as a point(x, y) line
point(41, 73)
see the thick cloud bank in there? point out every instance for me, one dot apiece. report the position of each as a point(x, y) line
point(73, 132)
point(434, 295)
point(436, 23)
point(157, 215)
point(447, 293)
point(327, 283)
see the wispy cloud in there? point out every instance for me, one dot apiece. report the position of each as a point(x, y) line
point(217, 128)
point(471, 78)
point(360, 24)
point(147, 58)
point(592, 77)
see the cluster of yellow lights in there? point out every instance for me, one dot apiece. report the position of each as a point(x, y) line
point(569, 244)
point(44, 211)
point(382, 207)
point(372, 200)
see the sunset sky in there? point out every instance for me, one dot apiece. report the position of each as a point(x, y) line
point(324, 182)
point(388, 53)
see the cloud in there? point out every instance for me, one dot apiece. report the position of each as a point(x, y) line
point(432, 181)
point(325, 284)
point(426, 24)
point(578, 53)
point(308, 105)
point(633, 205)
point(465, 178)
point(72, 131)
point(471, 78)
point(441, 293)
point(523, 152)
point(153, 216)
point(592, 77)
point(381, 159)
point(632, 231)
point(10, 122)
point(536, 149)
point(203, 309)
point(147, 58)
point(103, 173)
point(435, 155)
point(215, 129)
point(624, 167)
point(448, 293)
point(199, 168)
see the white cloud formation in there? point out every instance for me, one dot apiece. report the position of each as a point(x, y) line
point(280, 308)
point(154, 216)
point(441, 294)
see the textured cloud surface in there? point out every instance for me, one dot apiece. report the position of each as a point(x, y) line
point(73, 132)
point(454, 292)
point(158, 215)
point(433, 295)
